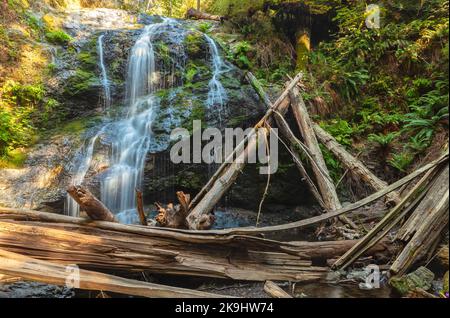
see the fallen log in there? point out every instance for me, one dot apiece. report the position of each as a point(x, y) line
point(394, 217)
point(199, 15)
point(113, 246)
point(49, 273)
point(93, 207)
point(324, 182)
point(353, 164)
point(275, 291)
point(424, 232)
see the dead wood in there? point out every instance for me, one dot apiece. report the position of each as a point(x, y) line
point(140, 207)
point(198, 15)
point(274, 291)
point(93, 207)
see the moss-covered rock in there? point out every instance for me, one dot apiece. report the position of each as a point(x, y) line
point(82, 84)
point(422, 278)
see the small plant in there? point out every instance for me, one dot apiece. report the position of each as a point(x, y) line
point(204, 27)
point(384, 141)
point(58, 37)
point(419, 143)
point(401, 161)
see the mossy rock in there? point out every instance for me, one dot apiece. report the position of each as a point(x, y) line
point(195, 45)
point(82, 84)
point(422, 278)
point(51, 22)
point(87, 60)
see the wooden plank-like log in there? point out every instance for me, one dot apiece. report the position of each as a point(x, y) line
point(49, 273)
point(353, 164)
point(112, 246)
point(275, 291)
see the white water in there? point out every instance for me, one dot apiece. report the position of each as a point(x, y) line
point(217, 95)
point(133, 135)
point(72, 208)
point(104, 75)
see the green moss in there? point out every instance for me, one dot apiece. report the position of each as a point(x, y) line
point(87, 60)
point(58, 37)
point(194, 44)
point(14, 159)
point(80, 83)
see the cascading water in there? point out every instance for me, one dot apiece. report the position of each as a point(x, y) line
point(132, 138)
point(217, 95)
point(72, 207)
point(104, 74)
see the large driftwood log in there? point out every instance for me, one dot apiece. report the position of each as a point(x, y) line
point(427, 223)
point(113, 246)
point(198, 15)
point(93, 207)
point(228, 172)
point(49, 273)
point(353, 164)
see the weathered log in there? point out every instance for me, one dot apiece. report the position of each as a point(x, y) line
point(394, 217)
point(353, 164)
point(427, 229)
point(49, 273)
point(275, 291)
point(198, 15)
point(140, 207)
point(113, 246)
point(437, 191)
point(93, 207)
point(324, 182)
point(228, 172)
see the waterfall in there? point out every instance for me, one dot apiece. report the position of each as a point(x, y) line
point(133, 135)
point(217, 95)
point(72, 207)
point(104, 75)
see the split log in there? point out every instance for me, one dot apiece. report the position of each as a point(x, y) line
point(275, 291)
point(198, 15)
point(140, 207)
point(113, 246)
point(49, 273)
point(353, 164)
point(425, 231)
point(93, 207)
point(228, 172)
point(437, 191)
point(324, 182)
point(393, 218)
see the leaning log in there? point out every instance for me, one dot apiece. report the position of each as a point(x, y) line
point(199, 15)
point(93, 207)
point(353, 164)
point(324, 182)
point(425, 230)
point(49, 273)
point(113, 246)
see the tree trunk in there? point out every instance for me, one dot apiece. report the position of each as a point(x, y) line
point(353, 164)
point(49, 273)
point(140, 207)
point(93, 207)
point(196, 14)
